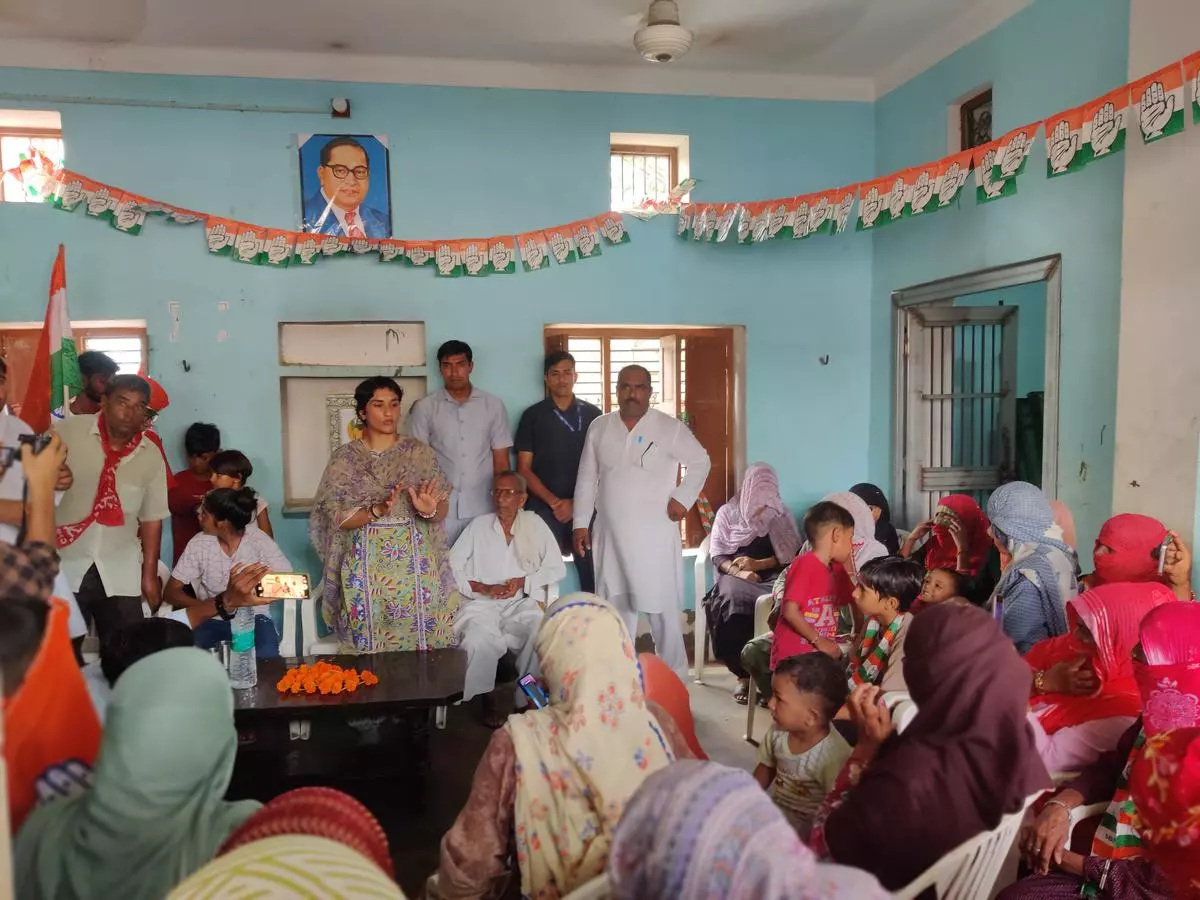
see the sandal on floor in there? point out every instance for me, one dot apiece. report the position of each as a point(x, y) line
point(742, 695)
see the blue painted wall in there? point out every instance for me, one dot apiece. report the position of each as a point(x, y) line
point(465, 162)
point(1052, 55)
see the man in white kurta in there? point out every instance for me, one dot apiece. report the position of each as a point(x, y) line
point(506, 563)
point(629, 476)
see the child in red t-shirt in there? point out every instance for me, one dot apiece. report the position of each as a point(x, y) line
point(808, 614)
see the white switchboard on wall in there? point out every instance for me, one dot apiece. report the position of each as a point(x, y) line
point(318, 416)
point(372, 344)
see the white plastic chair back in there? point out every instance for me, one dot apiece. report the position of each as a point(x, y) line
point(700, 622)
point(971, 870)
point(596, 889)
point(311, 644)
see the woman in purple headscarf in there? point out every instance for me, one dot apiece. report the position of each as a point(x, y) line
point(753, 539)
point(702, 831)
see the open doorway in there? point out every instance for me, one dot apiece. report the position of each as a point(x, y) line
point(976, 385)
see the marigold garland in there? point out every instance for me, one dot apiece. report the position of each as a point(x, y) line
point(324, 678)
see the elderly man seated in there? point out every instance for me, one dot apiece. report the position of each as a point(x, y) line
point(503, 562)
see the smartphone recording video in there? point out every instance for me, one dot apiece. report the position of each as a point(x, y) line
point(284, 586)
point(533, 690)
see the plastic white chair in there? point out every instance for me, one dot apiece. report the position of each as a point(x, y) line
point(902, 708)
point(762, 612)
point(596, 889)
point(972, 870)
point(700, 625)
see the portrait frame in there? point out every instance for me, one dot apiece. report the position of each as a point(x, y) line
point(320, 214)
point(341, 414)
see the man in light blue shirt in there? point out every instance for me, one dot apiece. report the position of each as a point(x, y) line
point(468, 430)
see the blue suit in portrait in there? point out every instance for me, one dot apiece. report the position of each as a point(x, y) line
point(374, 223)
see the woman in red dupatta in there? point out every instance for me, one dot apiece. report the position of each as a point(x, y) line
point(958, 537)
point(1150, 831)
point(1084, 691)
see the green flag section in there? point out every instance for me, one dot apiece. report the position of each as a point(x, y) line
point(987, 186)
point(54, 376)
point(683, 222)
point(419, 253)
point(922, 194)
point(1012, 152)
point(562, 245)
point(474, 256)
point(1064, 143)
point(841, 207)
point(612, 228)
point(502, 255)
point(391, 251)
point(1158, 103)
point(307, 249)
point(1104, 124)
point(446, 261)
point(1191, 75)
point(872, 206)
point(535, 254)
point(952, 174)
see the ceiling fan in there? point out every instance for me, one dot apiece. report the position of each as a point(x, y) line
point(771, 27)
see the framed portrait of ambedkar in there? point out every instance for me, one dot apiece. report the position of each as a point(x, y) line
point(345, 186)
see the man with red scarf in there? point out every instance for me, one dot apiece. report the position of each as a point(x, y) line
point(110, 521)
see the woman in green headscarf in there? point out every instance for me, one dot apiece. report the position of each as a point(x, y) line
point(155, 812)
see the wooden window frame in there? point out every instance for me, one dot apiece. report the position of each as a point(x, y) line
point(965, 110)
point(671, 153)
point(27, 133)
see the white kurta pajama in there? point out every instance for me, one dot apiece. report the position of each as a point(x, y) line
point(488, 628)
point(628, 477)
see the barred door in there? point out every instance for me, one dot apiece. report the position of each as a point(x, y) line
point(958, 377)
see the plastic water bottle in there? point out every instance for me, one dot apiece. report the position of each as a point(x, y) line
point(243, 668)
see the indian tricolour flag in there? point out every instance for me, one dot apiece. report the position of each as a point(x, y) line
point(55, 377)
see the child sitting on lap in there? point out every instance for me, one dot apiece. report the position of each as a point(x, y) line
point(800, 755)
point(943, 586)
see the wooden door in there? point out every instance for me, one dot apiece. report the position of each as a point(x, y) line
point(708, 405)
point(18, 346)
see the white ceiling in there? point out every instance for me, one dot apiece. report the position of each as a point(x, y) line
point(836, 49)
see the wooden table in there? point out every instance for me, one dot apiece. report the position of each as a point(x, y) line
point(275, 751)
point(406, 681)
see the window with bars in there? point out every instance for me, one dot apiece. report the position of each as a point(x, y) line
point(706, 404)
point(640, 173)
point(127, 348)
point(15, 146)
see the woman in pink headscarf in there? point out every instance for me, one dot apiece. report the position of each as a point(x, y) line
point(753, 539)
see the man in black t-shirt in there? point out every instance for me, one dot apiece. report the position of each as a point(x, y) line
point(549, 444)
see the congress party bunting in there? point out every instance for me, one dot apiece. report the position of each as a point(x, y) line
point(1075, 138)
point(39, 179)
point(1158, 99)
